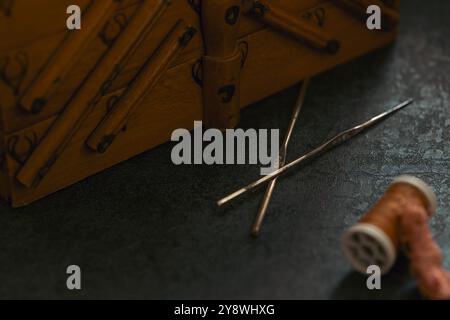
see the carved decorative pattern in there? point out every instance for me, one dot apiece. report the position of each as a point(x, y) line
point(111, 102)
point(13, 70)
point(318, 16)
point(243, 46)
point(20, 147)
point(196, 70)
point(195, 4)
point(113, 28)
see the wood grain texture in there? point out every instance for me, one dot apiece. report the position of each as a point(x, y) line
point(90, 91)
point(68, 53)
point(138, 222)
point(23, 62)
point(25, 15)
point(222, 63)
point(389, 10)
point(221, 90)
point(221, 24)
point(148, 77)
point(274, 62)
point(276, 17)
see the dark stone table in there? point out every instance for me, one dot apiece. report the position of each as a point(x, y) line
point(149, 229)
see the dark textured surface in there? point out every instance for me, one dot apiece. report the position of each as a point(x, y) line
point(149, 229)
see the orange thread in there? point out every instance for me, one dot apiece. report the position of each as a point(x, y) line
point(423, 252)
point(399, 220)
point(386, 212)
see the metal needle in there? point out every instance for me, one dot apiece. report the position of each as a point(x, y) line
point(256, 228)
point(326, 146)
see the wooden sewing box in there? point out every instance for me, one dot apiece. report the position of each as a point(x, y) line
point(194, 60)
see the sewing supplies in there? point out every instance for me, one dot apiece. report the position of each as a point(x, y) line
point(222, 63)
point(256, 228)
point(280, 19)
point(38, 94)
point(323, 148)
point(152, 71)
point(398, 223)
point(426, 261)
point(374, 240)
point(69, 121)
point(67, 96)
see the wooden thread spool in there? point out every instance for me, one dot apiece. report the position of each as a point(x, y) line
point(375, 240)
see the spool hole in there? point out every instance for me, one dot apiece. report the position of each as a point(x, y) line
point(368, 251)
point(356, 238)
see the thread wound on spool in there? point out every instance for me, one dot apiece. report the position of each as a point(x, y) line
point(375, 239)
point(423, 187)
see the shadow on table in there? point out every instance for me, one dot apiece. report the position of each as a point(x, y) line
point(398, 284)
